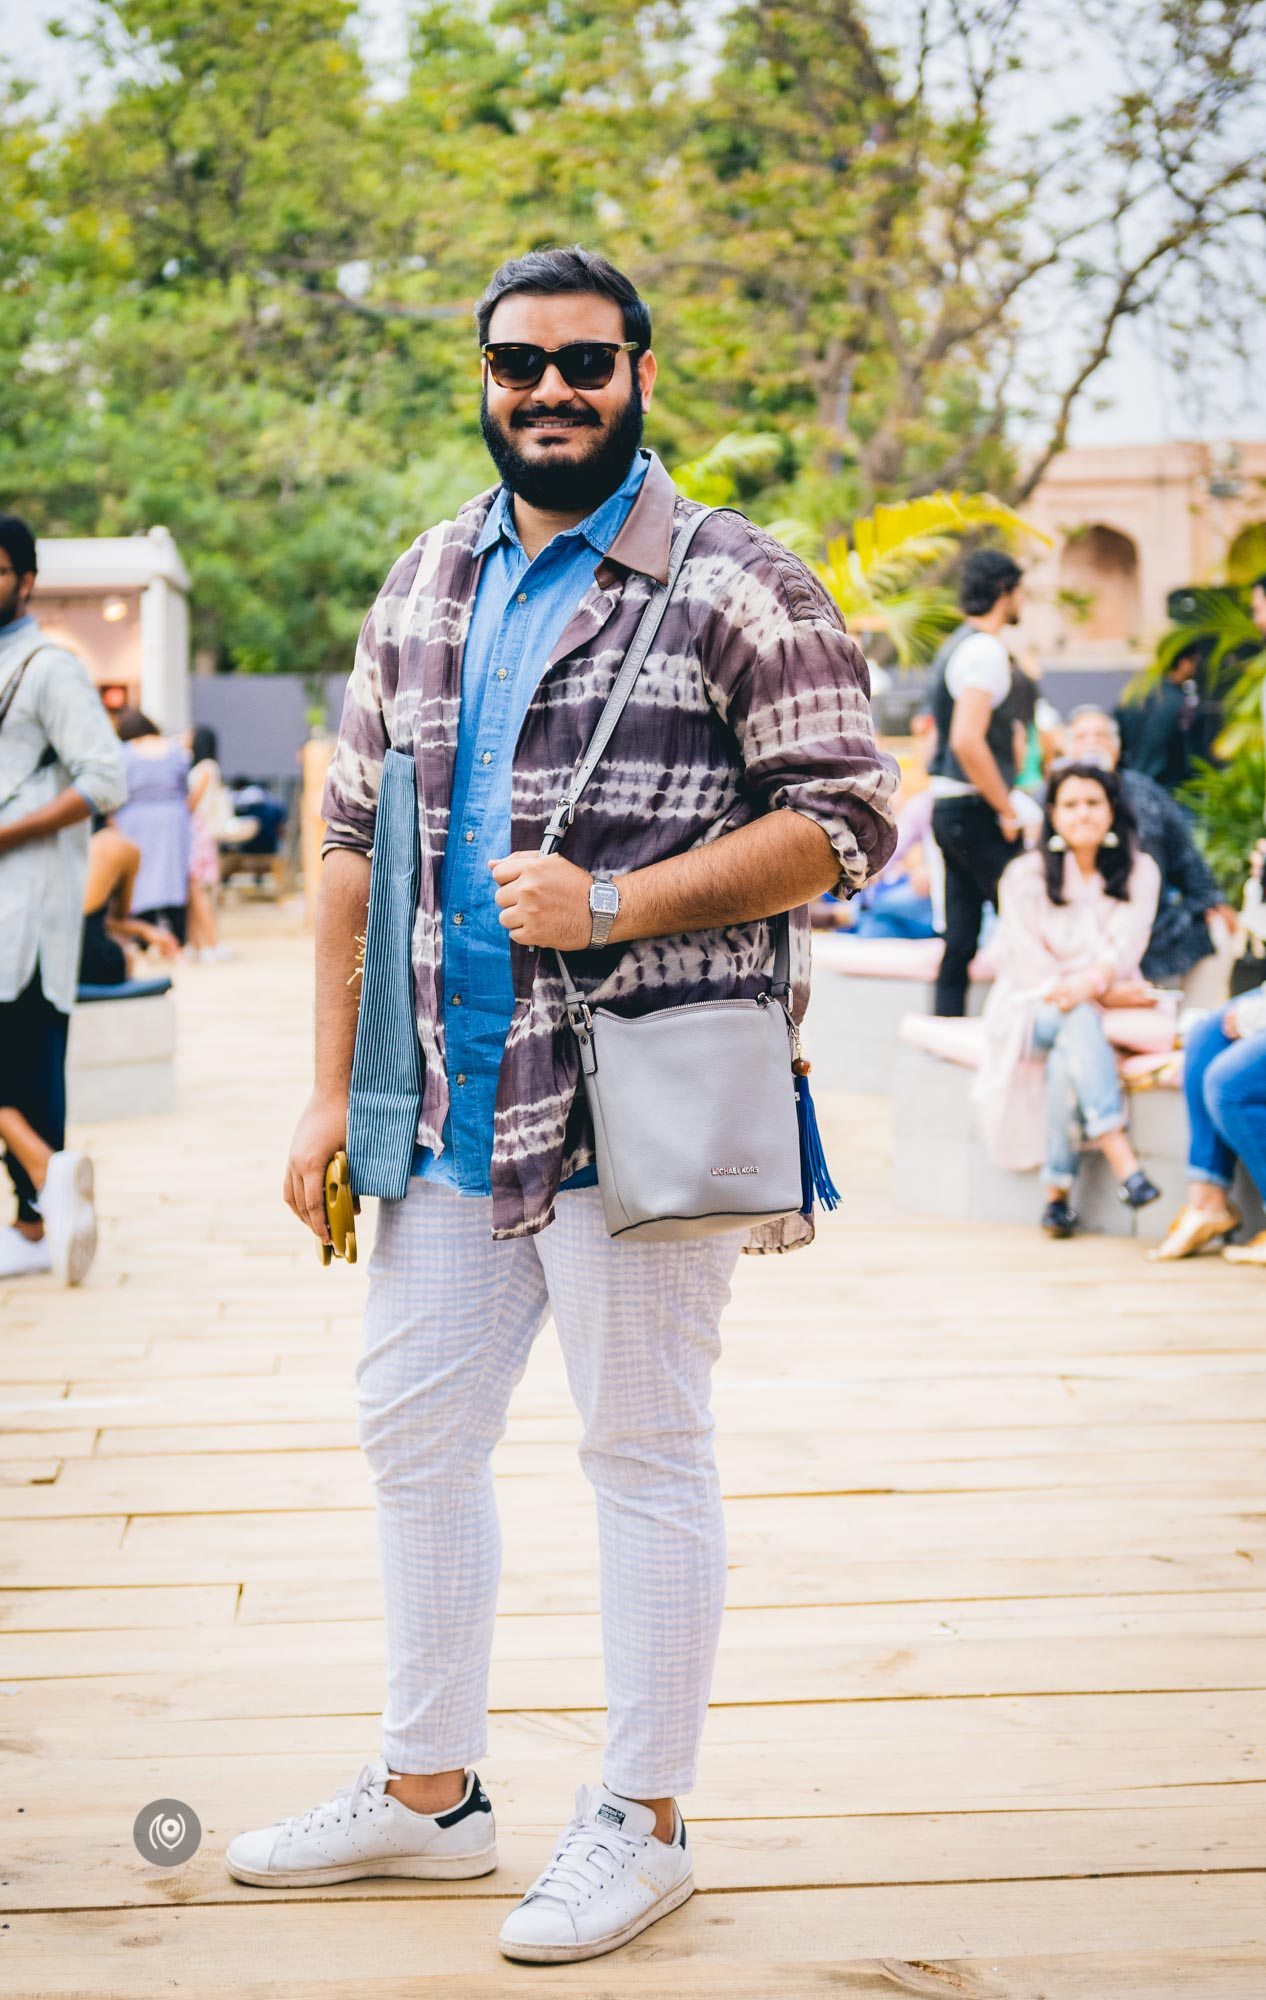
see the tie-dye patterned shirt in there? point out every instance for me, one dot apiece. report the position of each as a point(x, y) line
point(752, 699)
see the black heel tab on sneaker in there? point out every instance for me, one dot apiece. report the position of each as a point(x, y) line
point(476, 1801)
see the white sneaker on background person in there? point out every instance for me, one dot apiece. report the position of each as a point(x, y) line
point(363, 1830)
point(609, 1878)
point(68, 1215)
point(20, 1257)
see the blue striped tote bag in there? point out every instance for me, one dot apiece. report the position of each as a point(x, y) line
point(386, 1089)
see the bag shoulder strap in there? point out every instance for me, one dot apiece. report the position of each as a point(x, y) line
point(617, 701)
point(9, 694)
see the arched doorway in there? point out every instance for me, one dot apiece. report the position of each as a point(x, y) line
point(1099, 586)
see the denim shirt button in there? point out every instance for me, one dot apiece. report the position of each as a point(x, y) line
point(458, 917)
point(486, 758)
point(461, 1076)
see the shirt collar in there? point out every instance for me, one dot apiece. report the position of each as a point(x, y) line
point(19, 627)
point(607, 530)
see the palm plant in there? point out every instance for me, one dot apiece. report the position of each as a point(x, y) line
point(886, 578)
point(1226, 803)
point(887, 581)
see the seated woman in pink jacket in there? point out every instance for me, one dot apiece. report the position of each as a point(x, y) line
point(1074, 920)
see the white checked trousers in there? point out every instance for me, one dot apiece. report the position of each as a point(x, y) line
point(449, 1322)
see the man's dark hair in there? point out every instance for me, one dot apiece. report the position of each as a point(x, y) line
point(1259, 582)
point(206, 744)
point(129, 723)
point(987, 575)
point(18, 543)
point(554, 272)
point(1116, 862)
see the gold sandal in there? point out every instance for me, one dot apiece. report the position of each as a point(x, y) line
point(1248, 1253)
point(1191, 1231)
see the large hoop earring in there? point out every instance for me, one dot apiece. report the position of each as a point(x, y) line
point(1057, 844)
point(1111, 838)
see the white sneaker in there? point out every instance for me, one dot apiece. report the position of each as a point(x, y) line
point(20, 1257)
point(609, 1878)
point(70, 1220)
point(362, 1830)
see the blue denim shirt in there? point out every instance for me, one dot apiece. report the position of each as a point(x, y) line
point(519, 614)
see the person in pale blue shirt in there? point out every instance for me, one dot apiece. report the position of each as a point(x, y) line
point(520, 612)
point(60, 762)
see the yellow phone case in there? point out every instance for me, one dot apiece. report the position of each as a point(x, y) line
point(340, 1212)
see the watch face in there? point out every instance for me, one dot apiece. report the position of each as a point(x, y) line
point(604, 899)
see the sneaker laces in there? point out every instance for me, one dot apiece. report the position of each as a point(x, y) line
point(587, 1858)
point(369, 1784)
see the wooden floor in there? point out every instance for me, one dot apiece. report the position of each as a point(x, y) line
point(989, 1715)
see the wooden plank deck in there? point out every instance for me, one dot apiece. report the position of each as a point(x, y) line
point(989, 1715)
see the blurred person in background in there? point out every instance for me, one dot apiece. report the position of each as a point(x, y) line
point(212, 816)
point(1195, 925)
point(113, 939)
point(979, 704)
point(157, 818)
point(59, 763)
point(1042, 729)
point(1159, 733)
point(1224, 1083)
point(1073, 925)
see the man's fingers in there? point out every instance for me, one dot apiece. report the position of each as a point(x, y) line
point(314, 1203)
point(288, 1193)
point(512, 866)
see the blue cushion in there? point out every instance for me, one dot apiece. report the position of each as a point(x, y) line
point(127, 989)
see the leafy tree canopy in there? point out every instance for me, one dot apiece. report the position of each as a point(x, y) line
point(236, 279)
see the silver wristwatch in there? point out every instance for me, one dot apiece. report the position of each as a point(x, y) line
point(604, 908)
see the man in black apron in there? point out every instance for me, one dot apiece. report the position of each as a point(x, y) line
point(976, 705)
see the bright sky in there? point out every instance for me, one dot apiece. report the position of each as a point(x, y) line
point(1135, 398)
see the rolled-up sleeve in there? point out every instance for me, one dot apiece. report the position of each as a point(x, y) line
point(74, 721)
point(349, 804)
point(794, 688)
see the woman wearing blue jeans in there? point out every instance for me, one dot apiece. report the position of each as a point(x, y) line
point(1073, 923)
point(1224, 1081)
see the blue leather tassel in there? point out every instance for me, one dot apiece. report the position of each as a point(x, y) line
point(815, 1175)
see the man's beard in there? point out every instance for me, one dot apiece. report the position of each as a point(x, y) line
point(559, 486)
point(11, 606)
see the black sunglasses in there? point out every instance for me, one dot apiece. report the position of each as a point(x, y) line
point(583, 364)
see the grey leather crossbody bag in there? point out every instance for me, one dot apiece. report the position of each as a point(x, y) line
point(698, 1114)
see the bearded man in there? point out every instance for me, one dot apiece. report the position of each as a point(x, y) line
point(741, 780)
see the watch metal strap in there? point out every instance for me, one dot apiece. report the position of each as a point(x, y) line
point(600, 921)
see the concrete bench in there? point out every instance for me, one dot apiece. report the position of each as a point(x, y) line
point(861, 992)
point(940, 1167)
point(121, 1061)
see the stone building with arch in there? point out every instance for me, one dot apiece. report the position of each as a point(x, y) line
point(1128, 524)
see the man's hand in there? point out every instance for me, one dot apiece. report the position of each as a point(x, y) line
point(320, 1133)
point(1227, 915)
point(1231, 1024)
point(544, 900)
